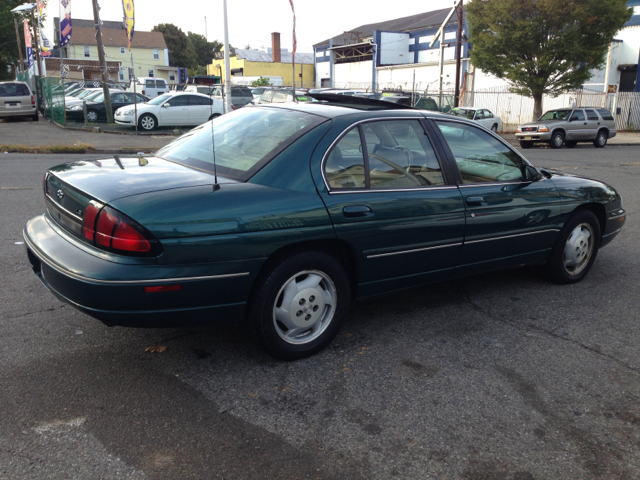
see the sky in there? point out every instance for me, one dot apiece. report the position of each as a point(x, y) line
point(251, 22)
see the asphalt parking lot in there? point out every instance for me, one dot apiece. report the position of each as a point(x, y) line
point(498, 376)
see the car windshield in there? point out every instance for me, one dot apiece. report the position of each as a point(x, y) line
point(94, 95)
point(159, 99)
point(463, 112)
point(245, 140)
point(555, 115)
point(86, 93)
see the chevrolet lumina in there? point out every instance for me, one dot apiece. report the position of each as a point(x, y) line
point(282, 215)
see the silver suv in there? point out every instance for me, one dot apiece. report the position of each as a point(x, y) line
point(569, 126)
point(16, 100)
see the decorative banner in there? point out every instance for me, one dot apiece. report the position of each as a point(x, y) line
point(65, 23)
point(295, 42)
point(27, 41)
point(129, 20)
point(45, 46)
point(40, 6)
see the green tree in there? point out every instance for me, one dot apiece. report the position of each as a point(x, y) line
point(9, 57)
point(261, 82)
point(181, 50)
point(543, 46)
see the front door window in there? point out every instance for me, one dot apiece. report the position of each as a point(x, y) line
point(481, 157)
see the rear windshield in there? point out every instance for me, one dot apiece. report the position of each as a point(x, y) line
point(245, 140)
point(14, 90)
point(240, 91)
point(463, 112)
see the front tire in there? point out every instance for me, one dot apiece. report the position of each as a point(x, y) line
point(601, 139)
point(148, 122)
point(215, 115)
point(576, 249)
point(300, 305)
point(557, 139)
point(526, 144)
point(92, 116)
point(494, 128)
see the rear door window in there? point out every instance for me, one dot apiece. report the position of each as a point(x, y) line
point(591, 115)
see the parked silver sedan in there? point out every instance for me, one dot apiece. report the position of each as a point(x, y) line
point(481, 115)
point(569, 126)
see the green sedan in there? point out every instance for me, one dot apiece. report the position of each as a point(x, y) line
point(282, 215)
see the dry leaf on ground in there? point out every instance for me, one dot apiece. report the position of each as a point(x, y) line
point(156, 349)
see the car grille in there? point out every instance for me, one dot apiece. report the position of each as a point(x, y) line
point(529, 129)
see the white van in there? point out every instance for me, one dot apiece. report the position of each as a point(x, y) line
point(149, 86)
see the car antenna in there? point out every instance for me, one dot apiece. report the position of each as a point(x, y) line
point(216, 185)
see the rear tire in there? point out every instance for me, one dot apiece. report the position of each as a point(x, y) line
point(300, 305)
point(557, 139)
point(215, 115)
point(576, 249)
point(570, 143)
point(494, 128)
point(601, 139)
point(526, 144)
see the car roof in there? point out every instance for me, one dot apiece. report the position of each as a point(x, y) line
point(175, 92)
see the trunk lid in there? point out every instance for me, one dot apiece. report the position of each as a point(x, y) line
point(70, 187)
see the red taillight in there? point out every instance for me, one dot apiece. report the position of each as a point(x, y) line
point(118, 233)
point(233, 107)
point(89, 220)
point(143, 92)
point(33, 100)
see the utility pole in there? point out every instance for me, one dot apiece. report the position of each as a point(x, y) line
point(103, 62)
point(456, 99)
point(227, 73)
point(19, 47)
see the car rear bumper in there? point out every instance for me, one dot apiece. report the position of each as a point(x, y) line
point(18, 113)
point(116, 293)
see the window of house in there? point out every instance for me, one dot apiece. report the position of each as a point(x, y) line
point(87, 51)
point(123, 50)
point(156, 54)
point(150, 73)
point(172, 76)
point(121, 75)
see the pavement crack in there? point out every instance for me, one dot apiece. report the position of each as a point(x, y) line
point(37, 311)
point(537, 329)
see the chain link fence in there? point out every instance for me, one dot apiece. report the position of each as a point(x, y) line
point(52, 99)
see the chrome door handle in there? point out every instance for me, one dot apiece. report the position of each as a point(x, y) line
point(357, 211)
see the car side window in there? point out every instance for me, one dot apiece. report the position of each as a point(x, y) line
point(480, 157)
point(279, 97)
point(605, 114)
point(591, 115)
point(577, 115)
point(344, 167)
point(178, 101)
point(266, 96)
point(194, 100)
point(117, 98)
point(487, 114)
point(479, 115)
point(400, 155)
point(140, 98)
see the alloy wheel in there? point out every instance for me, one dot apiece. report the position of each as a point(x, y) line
point(148, 123)
point(304, 307)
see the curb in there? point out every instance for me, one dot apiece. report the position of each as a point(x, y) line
point(89, 129)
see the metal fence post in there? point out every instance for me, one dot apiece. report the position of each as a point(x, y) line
point(84, 111)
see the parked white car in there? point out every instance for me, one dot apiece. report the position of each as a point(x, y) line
point(171, 109)
point(149, 86)
point(481, 115)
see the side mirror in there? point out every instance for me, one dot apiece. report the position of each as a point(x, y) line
point(165, 105)
point(532, 174)
point(573, 119)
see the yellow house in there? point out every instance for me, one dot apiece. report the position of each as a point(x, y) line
point(249, 63)
point(150, 52)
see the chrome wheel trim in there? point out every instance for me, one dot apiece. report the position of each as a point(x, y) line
point(92, 116)
point(304, 307)
point(602, 141)
point(558, 140)
point(147, 123)
point(578, 249)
